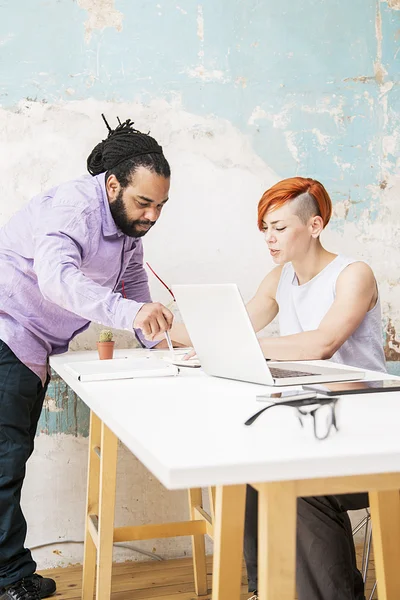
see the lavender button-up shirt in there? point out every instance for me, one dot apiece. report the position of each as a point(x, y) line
point(62, 260)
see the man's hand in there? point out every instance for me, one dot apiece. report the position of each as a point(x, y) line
point(153, 318)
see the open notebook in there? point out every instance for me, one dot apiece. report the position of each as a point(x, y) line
point(120, 368)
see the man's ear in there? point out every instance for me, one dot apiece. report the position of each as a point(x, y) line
point(316, 226)
point(112, 187)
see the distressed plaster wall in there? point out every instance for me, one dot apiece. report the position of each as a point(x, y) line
point(239, 94)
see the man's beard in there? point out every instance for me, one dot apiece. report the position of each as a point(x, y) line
point(128, 227)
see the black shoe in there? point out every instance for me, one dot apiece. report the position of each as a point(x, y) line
point(25, 589)
point(45, 585)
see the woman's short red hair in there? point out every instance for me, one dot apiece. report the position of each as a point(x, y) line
point(288, 189)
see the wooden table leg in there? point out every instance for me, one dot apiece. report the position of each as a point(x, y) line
point(108, 473)
point(277, 508)
point(198, 546)
point(92, 508)
point(228, 542)
point(211, 497)
point(385, 518)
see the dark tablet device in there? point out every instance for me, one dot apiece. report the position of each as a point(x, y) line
point(355, 387)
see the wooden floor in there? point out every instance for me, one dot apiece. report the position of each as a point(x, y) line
point(169, 580)
point(166, 580)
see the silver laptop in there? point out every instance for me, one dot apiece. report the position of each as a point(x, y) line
point(227, 346)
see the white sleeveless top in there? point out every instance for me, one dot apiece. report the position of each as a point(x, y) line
point(302, 308)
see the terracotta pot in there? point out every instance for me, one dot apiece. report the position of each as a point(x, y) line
point(105, 350)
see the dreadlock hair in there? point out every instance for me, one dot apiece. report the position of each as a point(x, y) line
point(123, 151)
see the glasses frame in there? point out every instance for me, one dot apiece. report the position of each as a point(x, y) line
point(331, 402)
point(300, 406)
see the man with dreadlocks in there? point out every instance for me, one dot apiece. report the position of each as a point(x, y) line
point(63, 258)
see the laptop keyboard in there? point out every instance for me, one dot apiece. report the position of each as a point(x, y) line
point(280, 373)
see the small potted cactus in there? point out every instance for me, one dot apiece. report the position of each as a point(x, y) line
point(105, 345)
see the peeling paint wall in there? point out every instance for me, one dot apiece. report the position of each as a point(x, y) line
point(101, 14)
point(239, 94)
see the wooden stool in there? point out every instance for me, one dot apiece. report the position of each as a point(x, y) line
point(100, 533)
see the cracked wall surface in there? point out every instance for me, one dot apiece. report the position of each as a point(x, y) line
point(239, 94)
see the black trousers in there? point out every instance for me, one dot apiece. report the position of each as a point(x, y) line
point(326, 566)
point(21, 400)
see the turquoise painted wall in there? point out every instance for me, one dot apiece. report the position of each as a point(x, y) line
point(65, 412)
point(324, 61)
point(313, 83)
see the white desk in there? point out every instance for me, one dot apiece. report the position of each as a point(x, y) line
point(188, 431)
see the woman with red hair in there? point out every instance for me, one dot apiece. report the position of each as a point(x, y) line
point(326, 302)
point(328, 307)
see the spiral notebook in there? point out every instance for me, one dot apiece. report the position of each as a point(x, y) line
point(120, 368)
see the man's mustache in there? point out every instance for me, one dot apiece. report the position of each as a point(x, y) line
point(151, 223)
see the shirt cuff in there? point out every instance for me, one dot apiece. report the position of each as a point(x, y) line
point(126, 314)
point(146, 343)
